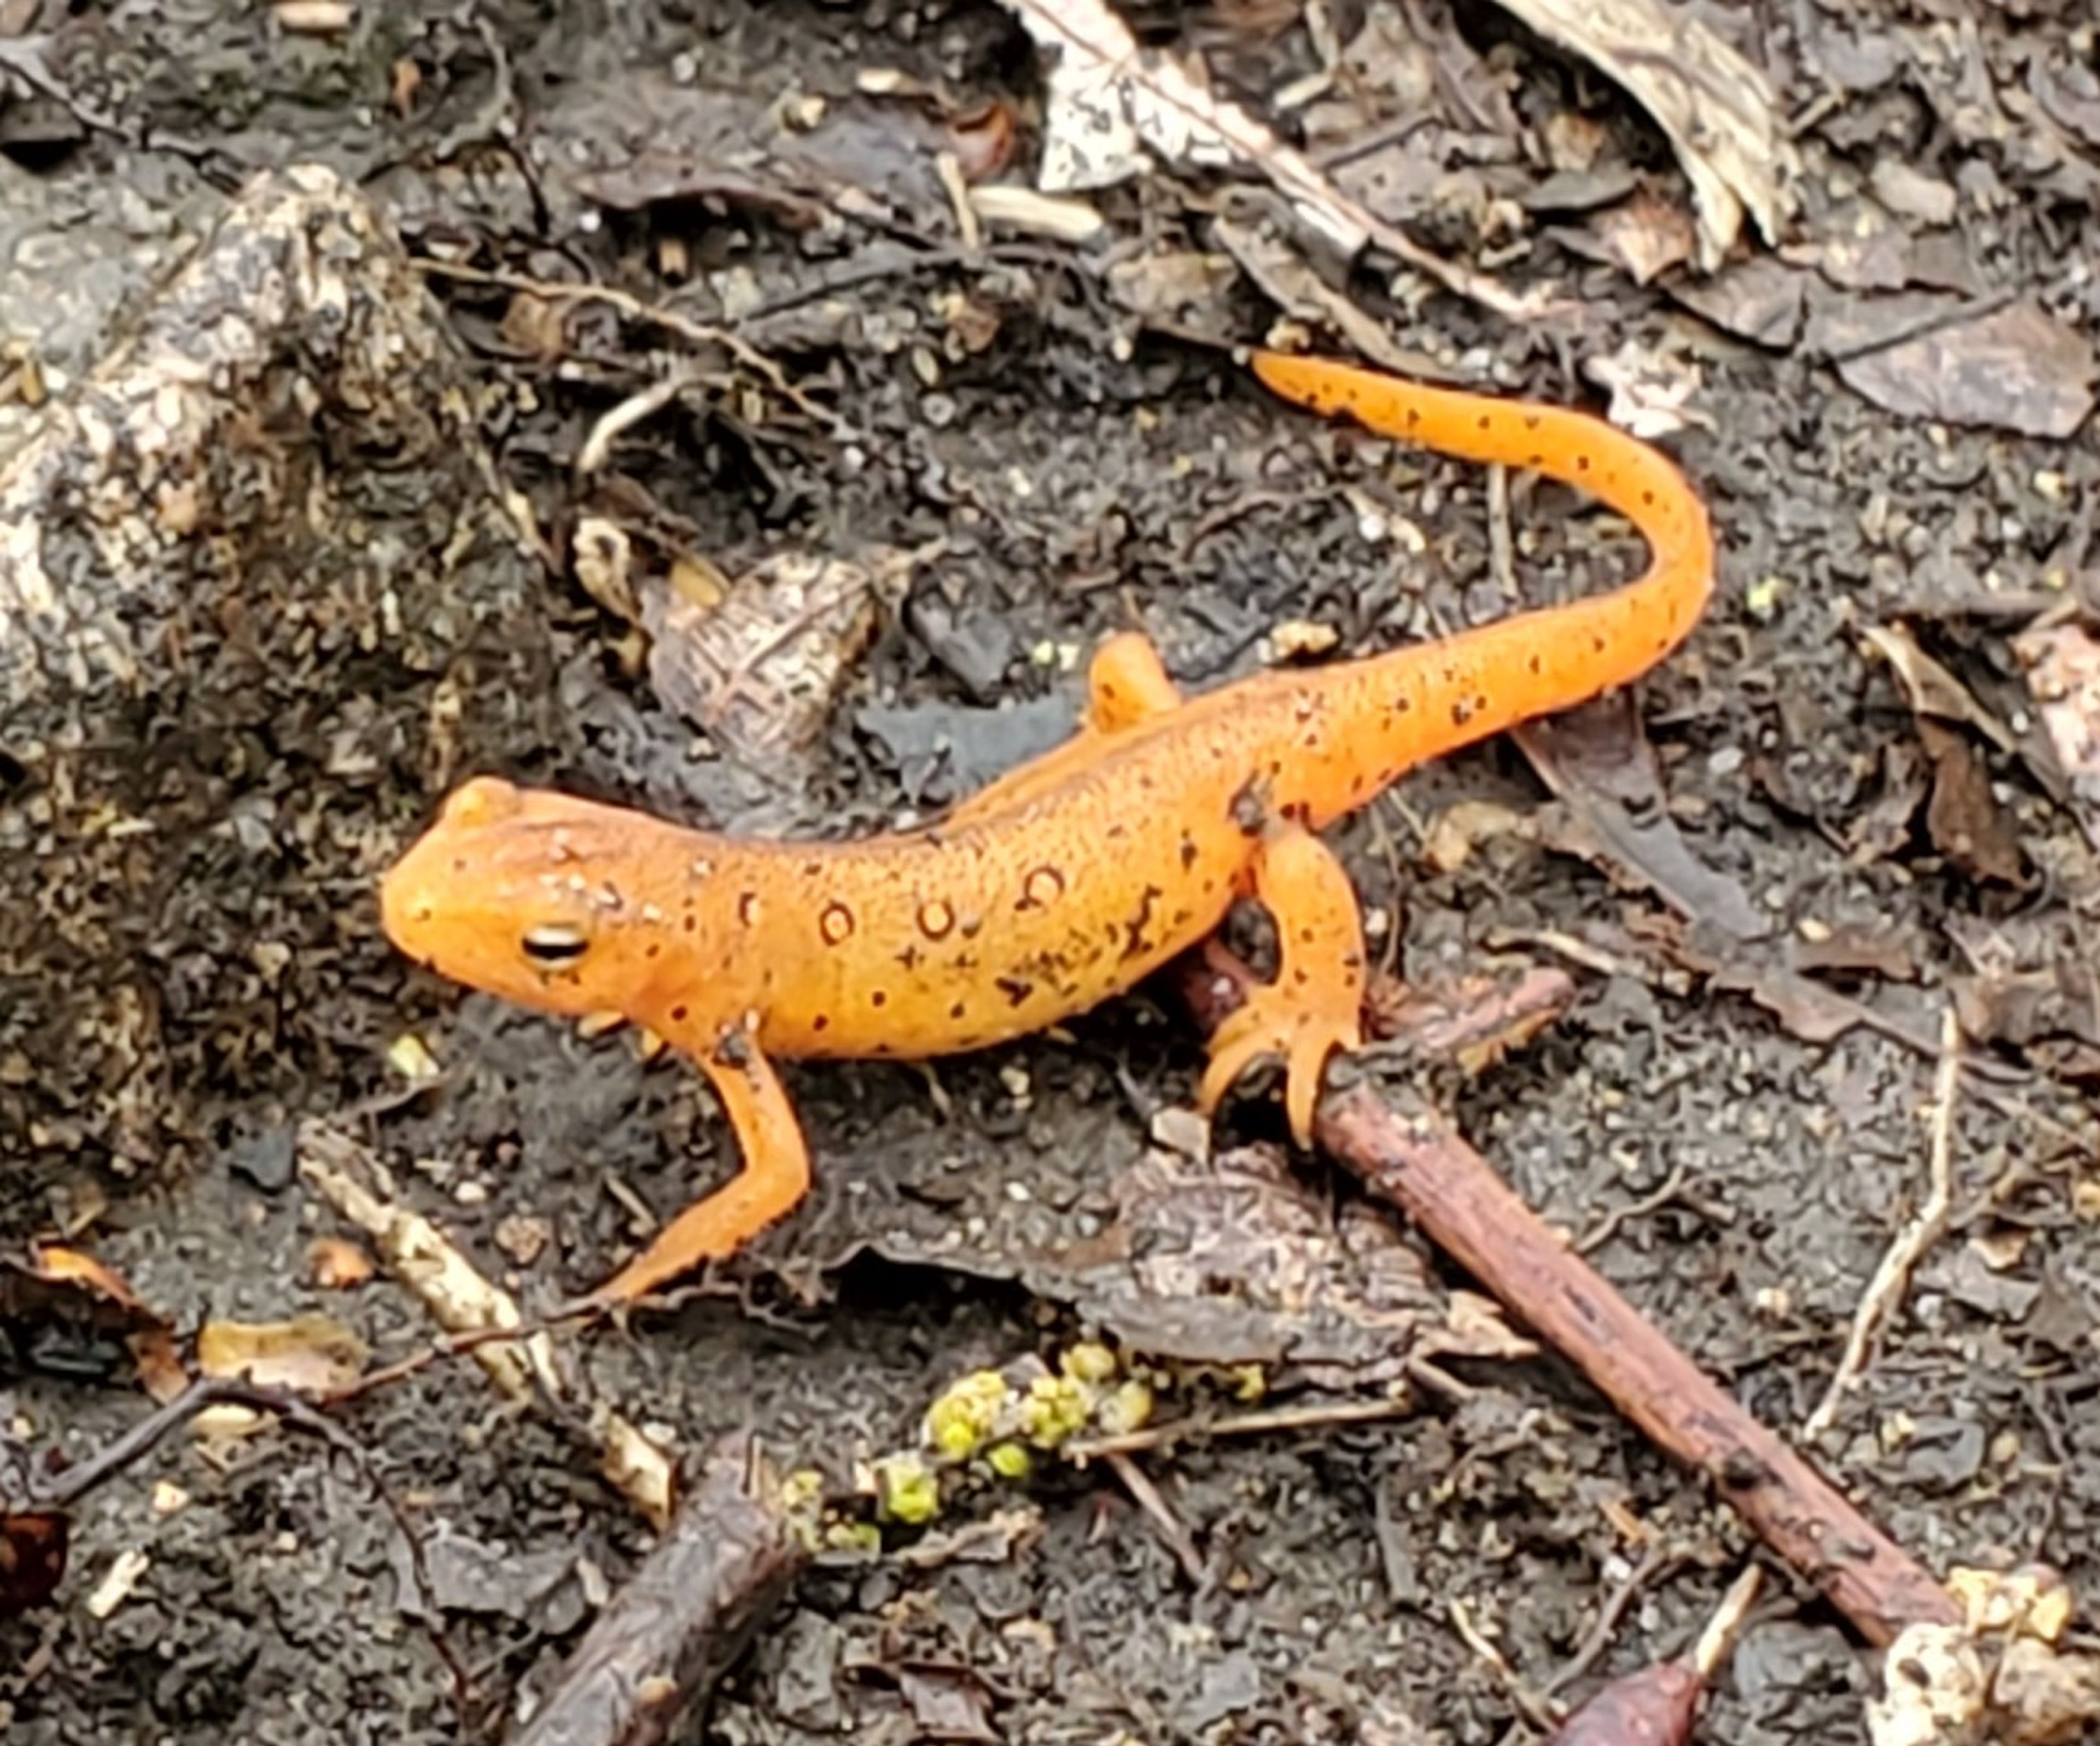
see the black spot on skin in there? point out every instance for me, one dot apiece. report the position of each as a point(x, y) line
point(1596, 643)
point(1015, 988)
point(679, 1014)
point(747, 909)
point(1462, 711)
point(1189, 851)
point(1134, 943)
point(1487, 422)
point(459, 864)
point(971, 929)
point(1301, 975)
point(1531, 421)
point(1536, 461)
point(1647, 499)
point(879, 997)
point(821, 1022)
point(909, 957)
point(883, 1048)
point(812, 869)
point(956, 1011)
point(1581, 463)
point(1402, 703)
point(1536, 663)
point(691, 922)
point(656, 947)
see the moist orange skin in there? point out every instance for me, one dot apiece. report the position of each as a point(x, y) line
point(1066, 882)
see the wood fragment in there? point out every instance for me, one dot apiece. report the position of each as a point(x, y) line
point(685, 1616)
point(1409, 1154)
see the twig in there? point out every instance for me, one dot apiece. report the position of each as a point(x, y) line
point(1242, 1425)
point(1408, 1155)
point(1172, 1529)
point(1893, 1275)
point(65, 1491)
point(683, 1618)
point(1656, 1561)
point(695, 333)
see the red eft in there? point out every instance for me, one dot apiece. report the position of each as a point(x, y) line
point(1066, 881)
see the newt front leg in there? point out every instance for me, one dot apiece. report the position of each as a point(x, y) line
point(774, 1178)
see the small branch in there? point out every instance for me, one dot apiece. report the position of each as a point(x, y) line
point(687, 1613)
point(1893, 1275)
point(1408, 1153)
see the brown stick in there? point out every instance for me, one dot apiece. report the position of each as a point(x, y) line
point(683, 1618)
point(1410, 1155)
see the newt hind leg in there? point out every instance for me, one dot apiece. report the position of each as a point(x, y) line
point(771, 1183)
point(1127, 685)
point(1315, 1005)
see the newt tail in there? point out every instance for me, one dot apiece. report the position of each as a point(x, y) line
point(1068, 880)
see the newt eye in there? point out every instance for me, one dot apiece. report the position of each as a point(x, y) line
point(554, 944)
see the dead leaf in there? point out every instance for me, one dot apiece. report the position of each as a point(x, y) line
point(1933, 689)
point(1289, 280)
point(1234, 1260)
point(1167, 284)
point(33, 1544)
point(1716, 108)
point(1909, 193)
point(63, 1310)
point(1762, 300)
point(1646, 236)
point(311, 1354)
point(1963, 819)
point(1651, 391)
point(2031, 987)
point(335, 1263)
point(1460, 828)
point(2062, 663)
point(2017, 369)
point(1109, 104)
point(759, 669)
point(947, 1703)
point(1614, 810)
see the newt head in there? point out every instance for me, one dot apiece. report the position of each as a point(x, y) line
point(538, 898)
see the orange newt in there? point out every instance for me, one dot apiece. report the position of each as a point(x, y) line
point(1062, 884)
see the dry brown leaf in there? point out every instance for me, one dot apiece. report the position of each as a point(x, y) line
point(1965, 822)
point(33, 1557)
point(1652, 391)
point(335, 1263)
point(1931, 689)
point(88, 1290)
point(311, 1354)
point(1716, 107)
point(1646, 236)
point(760, 668)
point(1110, 104)
point(2062, 663)
point(2016, 368)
